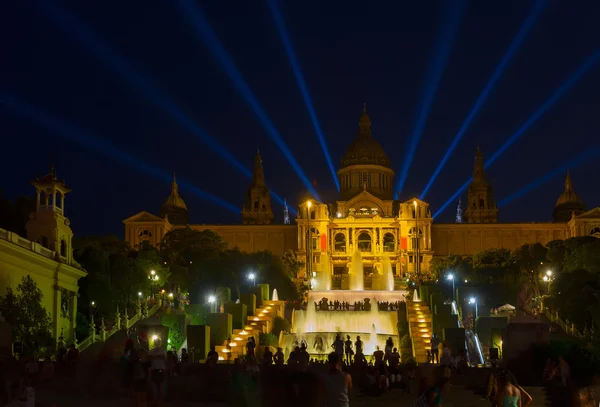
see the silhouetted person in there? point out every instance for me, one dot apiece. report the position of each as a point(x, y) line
point(435, 345)
point(348, 349)
point(337, 383)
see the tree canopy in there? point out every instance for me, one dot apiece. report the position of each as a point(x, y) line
point(29, 319)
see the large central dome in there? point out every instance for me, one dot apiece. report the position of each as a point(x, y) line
point(365, 150)
point(365, 166)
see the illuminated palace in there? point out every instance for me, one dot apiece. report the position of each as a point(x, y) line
point(366, 218)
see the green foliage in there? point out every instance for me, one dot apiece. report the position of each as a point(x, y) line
point(292, 264)
point(575, 296)
point(493, 265)
point(403, 328)
point(530, 259)
point(267, 340)
point(83, 326)
point(116, 273)
point(462, 266)
point(280, 324)
point(29, 319)
point(197, 313)
point(176, 325)
point(405, 341)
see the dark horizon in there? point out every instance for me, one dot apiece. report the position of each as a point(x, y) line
point(373, 53)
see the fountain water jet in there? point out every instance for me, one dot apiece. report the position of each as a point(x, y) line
point(356, 272)
point(275, 297)
point(416, 296)
point(387, 272)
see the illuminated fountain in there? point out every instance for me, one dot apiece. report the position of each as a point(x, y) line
point(319, 328)
point(356, 273)
point(388, 273)
point(319, 323)
point(415, 297)
point(275, 297)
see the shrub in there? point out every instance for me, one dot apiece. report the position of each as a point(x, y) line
point(280, 324)
point(176, 325)
point(402, 328)
point(405, 341)
point(268, 340)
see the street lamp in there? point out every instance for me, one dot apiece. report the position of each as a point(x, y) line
point(473, 300)
point(416, 240)
point(308, 240)
point(212, 300)
point(450, 277)
point(549, 273)
point(252, 277)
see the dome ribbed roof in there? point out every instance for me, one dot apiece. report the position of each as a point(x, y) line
point(569, 196)
point(365, 150)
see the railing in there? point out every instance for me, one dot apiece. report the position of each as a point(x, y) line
point(122, 322)
point(469, 335)
point(570, 329)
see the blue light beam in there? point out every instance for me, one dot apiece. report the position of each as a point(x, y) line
point(196, 17)
point(512, 49)
point(573, 163)
point(54, 124)
point(568, 84)
point(439, 59)
point(287, 43)
point(87, 37)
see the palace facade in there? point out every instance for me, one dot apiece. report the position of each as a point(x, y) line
point(46, 254)
point(368, 219)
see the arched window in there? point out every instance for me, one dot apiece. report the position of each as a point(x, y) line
point(63, 248)
point(595, 231)
point(255, 205)
point(340, 243)
point(364, 242)
point(58, 200)
point(312, 215)
point(145, 233)
point(389, 245)
point(481, 204)
point(43, 241)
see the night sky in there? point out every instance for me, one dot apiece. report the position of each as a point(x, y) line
point(350, 52)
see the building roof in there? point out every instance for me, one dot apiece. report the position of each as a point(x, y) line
point(569, 197)
point(365, 150)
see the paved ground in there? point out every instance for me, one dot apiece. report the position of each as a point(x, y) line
point(459, 396)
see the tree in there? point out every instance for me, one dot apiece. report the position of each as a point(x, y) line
point(116, 273)
point(462, 266)
point(292, 264)
point(28, 317)
point(530, 259)
point(492, 265)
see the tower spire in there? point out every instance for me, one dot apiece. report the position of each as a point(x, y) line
point(286, 213)
point(459, 211)
point(364, 123)
point(568, 182)
point(257, 209)
point(481, 207)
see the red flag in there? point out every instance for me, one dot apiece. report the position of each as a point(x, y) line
point(403, 243)
point(323, 242)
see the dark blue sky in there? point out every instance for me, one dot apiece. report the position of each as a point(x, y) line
point(350, 52)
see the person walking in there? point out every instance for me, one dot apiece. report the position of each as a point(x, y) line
point(435, 352)
point(337, 383)
point(510, 394)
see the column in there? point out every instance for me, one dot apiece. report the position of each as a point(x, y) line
point(73, 315)
point(56, 311)
point(39, 196)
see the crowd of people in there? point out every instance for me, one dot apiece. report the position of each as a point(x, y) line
point(328, 305)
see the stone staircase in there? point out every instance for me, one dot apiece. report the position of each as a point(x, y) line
point(261, 322)
point(419, 321)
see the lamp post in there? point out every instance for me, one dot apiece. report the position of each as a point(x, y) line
point(308, 241)
point(416, 243)
point(451, 278)
point(473, 300)
point(252, 277)
point(212, 300)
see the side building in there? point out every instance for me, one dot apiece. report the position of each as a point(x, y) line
point(366, 218)
point(46, 254)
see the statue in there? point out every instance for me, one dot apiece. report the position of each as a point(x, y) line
point(524, 301)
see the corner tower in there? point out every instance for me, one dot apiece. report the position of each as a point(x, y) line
point(568, 203)
point(257, 209)
point(48, 225)
point(481, 207)
point(174, 208)
point(365, 165)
